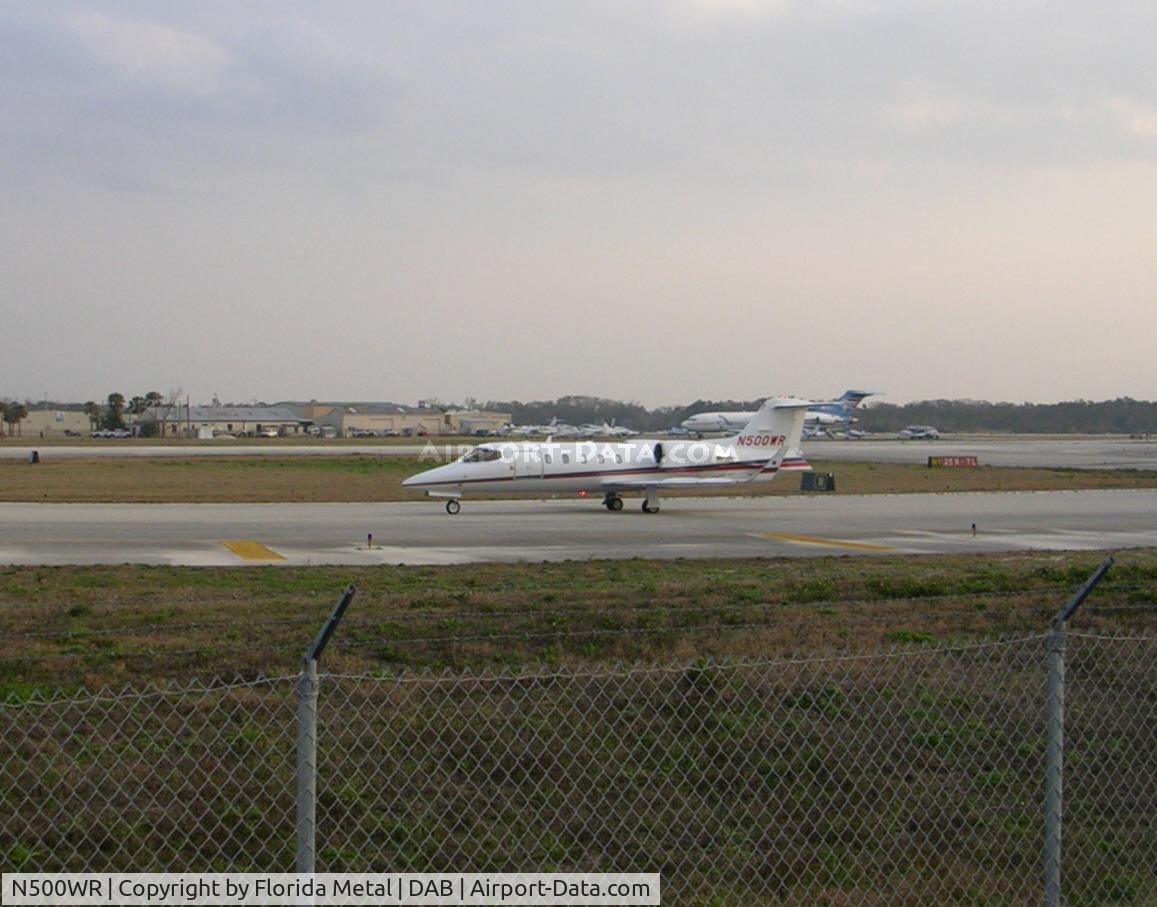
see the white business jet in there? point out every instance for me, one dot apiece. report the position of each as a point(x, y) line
point(609, 468)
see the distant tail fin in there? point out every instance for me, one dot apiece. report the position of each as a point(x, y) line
point(854, 398)
point(773, 431)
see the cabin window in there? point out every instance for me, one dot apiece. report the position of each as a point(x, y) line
point(618, 458)
point(548, 457)
point(566, 458)
point(482, 455)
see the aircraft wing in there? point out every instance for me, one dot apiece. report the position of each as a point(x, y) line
point(675, 482)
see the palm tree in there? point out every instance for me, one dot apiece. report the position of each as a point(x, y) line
point(113, 416)
point(92, 410)
point(14, 413)
point(154, 400)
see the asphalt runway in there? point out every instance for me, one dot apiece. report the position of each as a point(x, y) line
point(572, 529)
point(1021, 450)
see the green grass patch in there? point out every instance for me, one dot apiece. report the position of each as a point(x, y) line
point(89, 626)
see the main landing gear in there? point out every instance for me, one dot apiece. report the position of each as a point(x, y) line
point(452, 507)
point(614, 503)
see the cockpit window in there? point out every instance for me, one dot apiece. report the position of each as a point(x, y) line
point(482, 455)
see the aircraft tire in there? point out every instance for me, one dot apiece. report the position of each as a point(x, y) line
point(647, 509)
point(452, 507)
point(615, 504)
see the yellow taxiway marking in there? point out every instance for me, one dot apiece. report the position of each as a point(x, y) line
point(251, 551)
point(812, 540)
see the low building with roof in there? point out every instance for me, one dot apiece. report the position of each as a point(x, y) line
point(51, 423)
point(215, 421)
point(356, 420)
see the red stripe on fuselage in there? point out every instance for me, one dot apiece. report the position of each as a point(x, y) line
point(616, 473)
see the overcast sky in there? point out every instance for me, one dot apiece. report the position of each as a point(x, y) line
point(652, 201)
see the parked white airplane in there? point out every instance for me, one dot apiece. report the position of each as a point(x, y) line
point(819, 417)
point(704, 423)
point(608, 468)
point(919, 433)
point(590, 430)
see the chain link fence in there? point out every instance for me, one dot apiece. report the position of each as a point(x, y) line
point(891, 777)
point(189, 778)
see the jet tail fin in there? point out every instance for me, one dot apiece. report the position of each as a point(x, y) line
point(854, 398)
point(774, 430)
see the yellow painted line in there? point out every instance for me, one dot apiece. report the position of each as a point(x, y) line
point(251, 551)
point(812, 540)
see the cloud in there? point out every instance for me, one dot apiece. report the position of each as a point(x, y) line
point(153, 54)
point(775, 9)
point(1133, 117)
point(925, 108)
point(926, 111)
point(146, 98)
point(747, 8)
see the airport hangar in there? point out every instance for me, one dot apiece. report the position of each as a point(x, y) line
point(281, 420)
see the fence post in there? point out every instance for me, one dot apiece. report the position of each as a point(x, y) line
point(306, 765)
point(1054, 765)
point(307, 687)
point(1055, 734)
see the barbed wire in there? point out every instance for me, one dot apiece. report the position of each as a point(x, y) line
point(222, 683)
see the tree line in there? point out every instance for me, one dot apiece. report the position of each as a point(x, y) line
point(1121, 416)
point(110, 415)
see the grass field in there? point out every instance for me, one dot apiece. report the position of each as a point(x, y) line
point(88, 627)
point(780, 780)
point(379, 478)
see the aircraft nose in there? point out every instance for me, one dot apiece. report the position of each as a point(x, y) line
point(420, 479)
point(433, 476)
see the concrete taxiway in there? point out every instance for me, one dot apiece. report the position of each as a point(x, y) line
point(423, 533)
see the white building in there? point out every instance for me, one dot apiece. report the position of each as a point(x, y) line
point(212, 421)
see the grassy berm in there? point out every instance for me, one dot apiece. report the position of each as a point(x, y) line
point(777, 732)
